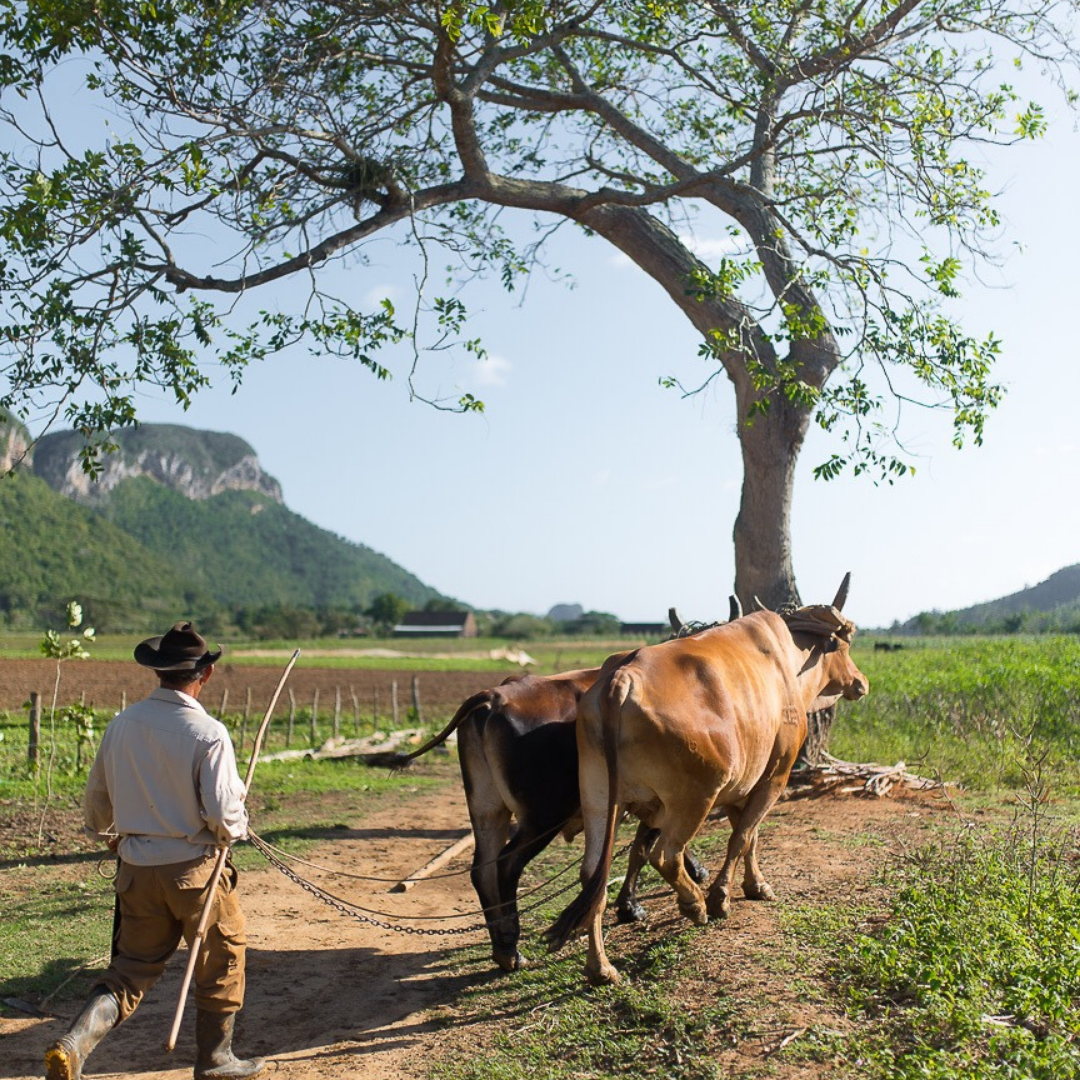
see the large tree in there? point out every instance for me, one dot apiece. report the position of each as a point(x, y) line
point(833, 142)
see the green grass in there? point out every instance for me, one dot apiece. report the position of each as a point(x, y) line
point(553, 1026)
point(67, 778)
point(964, 708)
point(47, 934)
point(974, 968)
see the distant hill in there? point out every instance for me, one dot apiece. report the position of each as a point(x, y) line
point(1052, 605)
point(182, 522)
point(565, 613)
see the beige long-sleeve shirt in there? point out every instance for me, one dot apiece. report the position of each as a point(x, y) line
point(165, 780)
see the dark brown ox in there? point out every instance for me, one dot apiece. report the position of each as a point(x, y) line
point(671, 730)
point(519, 760)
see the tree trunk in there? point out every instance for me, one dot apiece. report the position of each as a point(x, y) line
point(771, 444)
point(763, 565)
point(770, 451)
point(819, 727)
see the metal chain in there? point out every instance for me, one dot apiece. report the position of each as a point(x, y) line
point(388, 881)
point(353, 911)
point(346, 908)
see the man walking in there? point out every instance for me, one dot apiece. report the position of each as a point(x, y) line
point(164, 792)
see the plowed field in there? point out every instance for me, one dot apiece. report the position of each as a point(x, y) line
point(105, 683)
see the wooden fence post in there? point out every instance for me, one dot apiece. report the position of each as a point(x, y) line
point(33, 746)
point(355, 710)
point(337, 711)
point(416, 699)
point(374, 708)
point(224, 704)
point(314, 715)
point(393, 702)
point(247, 715)
point(292, 717)
point(123, 700)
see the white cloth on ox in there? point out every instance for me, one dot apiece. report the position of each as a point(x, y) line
point(822, 619)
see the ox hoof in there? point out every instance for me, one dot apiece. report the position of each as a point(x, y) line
point(510, 961)
point(605, 976)
point(698, 873)
point(719, 906)
point(695, 912)
point(763, 891)
point(628, 913)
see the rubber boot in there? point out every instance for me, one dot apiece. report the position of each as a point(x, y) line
point(101, 1013)
point(213, 1043)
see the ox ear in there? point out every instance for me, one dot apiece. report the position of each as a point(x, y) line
point(841, 593)
point(735, 608)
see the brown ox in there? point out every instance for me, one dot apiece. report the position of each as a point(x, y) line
point(671, 730)
point(519, 761)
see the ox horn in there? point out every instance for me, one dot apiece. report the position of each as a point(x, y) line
point(841, 593)
point(735, 607)
point(759, 605)
point(676, 622)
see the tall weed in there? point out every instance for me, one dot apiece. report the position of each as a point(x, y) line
point(975, 971)
point(957, 706)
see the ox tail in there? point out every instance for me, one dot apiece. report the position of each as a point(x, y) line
point(466, 709)
point(582, 910)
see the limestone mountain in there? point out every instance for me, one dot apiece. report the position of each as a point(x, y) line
point(14, 443)
point(197, 464)
point(180, 521)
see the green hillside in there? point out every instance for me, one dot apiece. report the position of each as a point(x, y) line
point(54, 550)
point(243, 549)
point(1051, 606)
point(147, 553)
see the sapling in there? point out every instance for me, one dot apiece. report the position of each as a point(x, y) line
point(61, 648)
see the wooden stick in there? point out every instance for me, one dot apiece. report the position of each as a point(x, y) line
point(32, 747)
point(219, 866)
point(429, 868)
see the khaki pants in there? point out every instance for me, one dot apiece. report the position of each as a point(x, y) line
point(159, 905)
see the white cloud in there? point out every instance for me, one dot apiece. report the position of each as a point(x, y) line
point(376, 295)
point(704, 247)
point(493, 370)
point(712, 247)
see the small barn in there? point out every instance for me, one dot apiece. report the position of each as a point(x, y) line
point(436, 624)
point(644, 629)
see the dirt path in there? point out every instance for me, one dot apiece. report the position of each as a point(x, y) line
point(332, 997)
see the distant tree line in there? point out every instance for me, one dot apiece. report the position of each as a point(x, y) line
point(1064, 619)
point(291, 622)
point(387, 610)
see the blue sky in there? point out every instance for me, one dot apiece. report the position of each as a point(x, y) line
point(586, 482)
